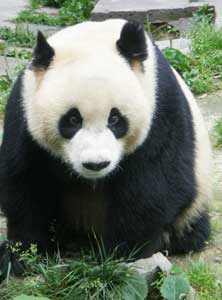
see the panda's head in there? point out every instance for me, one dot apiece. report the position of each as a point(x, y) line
point(84, 98)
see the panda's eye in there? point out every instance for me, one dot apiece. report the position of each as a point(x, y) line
point(74, 121)
point(117, 123)
point(70, 123)
point(113, 120)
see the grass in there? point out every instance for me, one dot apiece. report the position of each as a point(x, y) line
point(202, 68)
point(31, 16)
point(205, 281)
point(70, 12)
point(86, 277)
point(17, 53)
point(217, 134)
point(6, 82)
point(13, 38)
point(5, 87)
point(17, 37)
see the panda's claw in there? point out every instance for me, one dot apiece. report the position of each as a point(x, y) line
point(9, 262)
point(17, 267)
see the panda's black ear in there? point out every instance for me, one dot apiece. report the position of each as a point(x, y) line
point(43, 53)
point(132, 42)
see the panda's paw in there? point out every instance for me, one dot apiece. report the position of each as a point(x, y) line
point(9, 261)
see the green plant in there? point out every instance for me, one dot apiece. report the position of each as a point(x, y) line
point(17, 37)
point(175, 286)
point(205, 12)
point(2, 45)
point(71, 12)
point(6, 82)
point(217, 133)
point(172, 286)
point(13, 52)
point(31, 16)
point(75, 11)
point(186, 66)
point(178, 60)
point(202, 67)
point(55, 3)
point(34, 4)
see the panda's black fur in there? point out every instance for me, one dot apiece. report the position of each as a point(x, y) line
point(145, 195)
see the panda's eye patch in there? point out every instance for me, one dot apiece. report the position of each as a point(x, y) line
point(70, 123)
point(117, 123)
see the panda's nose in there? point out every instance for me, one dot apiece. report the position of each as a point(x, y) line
point(96, 166)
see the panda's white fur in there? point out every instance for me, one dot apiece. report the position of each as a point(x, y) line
point(87, 73)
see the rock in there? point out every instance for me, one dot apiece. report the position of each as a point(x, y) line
point(192, 294)
point(150, 267)
point(156, 11)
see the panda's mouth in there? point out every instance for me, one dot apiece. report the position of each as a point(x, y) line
point(96, 166)
point(94, 170)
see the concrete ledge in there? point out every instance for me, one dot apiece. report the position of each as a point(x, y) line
point(156, 11)
point(10, 9)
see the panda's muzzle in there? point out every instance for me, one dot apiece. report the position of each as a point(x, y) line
point(96, 166)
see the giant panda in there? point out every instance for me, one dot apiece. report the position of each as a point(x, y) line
point(101, 135)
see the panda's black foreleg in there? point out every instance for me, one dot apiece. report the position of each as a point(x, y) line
point(135, 250)
point(29, 213)
point(132, 239)
point(193, 238)
point(17, 242)
point(132, 250)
